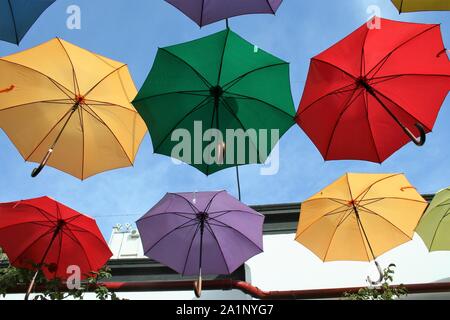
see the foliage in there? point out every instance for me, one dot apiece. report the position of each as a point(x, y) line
point(384, 291)
point(11, 277)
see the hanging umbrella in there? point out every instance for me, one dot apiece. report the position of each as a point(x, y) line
point(44, 235)
point(434, 227)
point(69, 108)
point(359, 217)
point(220, 82)
point(18, 16)
point(206, 12)
point(421, 5)
point(205, 233)
point(372, 92)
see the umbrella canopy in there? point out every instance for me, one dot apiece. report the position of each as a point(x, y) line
point(70, 108)
point(434, 227)
point(220, 82)
point(360, 216)
point(374, 91)
point(421, 5)
point(42, 233)
point(205, 12)
point(18, 16)
point(202, 232)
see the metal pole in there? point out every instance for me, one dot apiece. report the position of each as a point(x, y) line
point(238, 182)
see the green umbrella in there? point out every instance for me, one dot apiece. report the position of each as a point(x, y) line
point(217, 82)
point(434, 227)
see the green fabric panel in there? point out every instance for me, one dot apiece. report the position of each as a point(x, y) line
point(434, 227)
point(170, 74)
point(241, 57)
point(204, 55)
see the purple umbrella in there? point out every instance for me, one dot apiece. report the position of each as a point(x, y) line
point(201, 233)
point(204, 12)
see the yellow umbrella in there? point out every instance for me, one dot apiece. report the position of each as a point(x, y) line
point(360, 216)
point(421, 5)
point(69, 108)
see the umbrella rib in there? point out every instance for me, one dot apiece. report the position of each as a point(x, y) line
point(437, 228)
point(225, 225)
point(211, 200)
point(384, 59)
point(103, 79)
point(98, 118)
point(33, 243)
point(223, 55)
point(366, 191)
point(367, 210)
point(77, 241)
point(366, 103)
point(179, 214)
point(194, 208)
point(56, 83)
point(240, 96)
point(363, 55)
point(330, 213)
point(201, 13)
point(390, 198)
point(343, 89)
point(346, 106)
point(224, 212)
point(14, 21)
point(337, 200)
point(336, 67)
point(183, 225)
point(81, 229)
point(211, 231)
point(48, 134)
point(228, 108)
point(341, 221)
point(209, 85)
point(42, 212)
point(233, 82)
point(187, 92)
point(189, 250)
point(195, 109)
point(270, 6)
point(56, 101)
point(39, 223)
point(75, 80)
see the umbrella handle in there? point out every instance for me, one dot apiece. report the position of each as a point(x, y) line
point(38, 170)
point(417, 141)
point(198, 287)
point(380, 279)
point(30, 288)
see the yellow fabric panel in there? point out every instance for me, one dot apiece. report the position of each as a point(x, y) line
point(49, 59)
point(28, 86)
point(422, 5)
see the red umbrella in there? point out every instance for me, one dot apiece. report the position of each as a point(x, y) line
point(369, 94)
point(45, 235)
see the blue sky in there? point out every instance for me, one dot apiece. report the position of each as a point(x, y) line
point(131, 31)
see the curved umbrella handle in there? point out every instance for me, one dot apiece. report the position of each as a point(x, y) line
point(38, 170)
point(198, 287)
point(417, 141)
point(380, 279)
